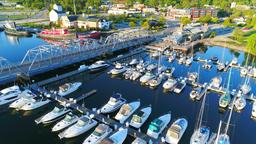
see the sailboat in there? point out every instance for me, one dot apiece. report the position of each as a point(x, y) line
point(225, 98)
point(201, 133)
point(223, 138)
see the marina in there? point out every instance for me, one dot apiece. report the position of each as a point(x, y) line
point(84, 100)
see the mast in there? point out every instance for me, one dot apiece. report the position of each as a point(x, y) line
point(229, 77)
point(229, 117)
point(201, 113)
point(218, 134)
point(159, 61)
point(74, 2)
point(198, 73)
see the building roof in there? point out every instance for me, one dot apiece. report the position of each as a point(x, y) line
point(72, 18)
point(59, 12)
point(90, 18)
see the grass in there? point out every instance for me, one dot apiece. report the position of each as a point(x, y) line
point(13, 17)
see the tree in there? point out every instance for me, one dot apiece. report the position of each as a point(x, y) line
point(145, 25)
point(227, 22)
point(238, 34)
point(132, 24)
point(251, 44)
point(205, 19)
point(215, 20)
point(185, 20)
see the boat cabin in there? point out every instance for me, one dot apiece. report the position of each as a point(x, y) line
point(156, 125)
point(138, 117)
point(65, 87)
point(126, 109)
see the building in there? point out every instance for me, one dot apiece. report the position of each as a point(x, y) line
point(117, 11)
point(56, 13)
point(93, 23)
point(239, 21)
point(139, 6)
point(68, 21)
point(174, 13)
point(197, 13)
point(149, 10)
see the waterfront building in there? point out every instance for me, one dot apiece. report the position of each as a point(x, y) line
point(93, 23)
point(56, 13)
point(68, 21)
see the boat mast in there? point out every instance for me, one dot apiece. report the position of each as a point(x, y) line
point(201, 113)
point(229, 117)
point(218, 134)
point(198, 73)
point(229, 77)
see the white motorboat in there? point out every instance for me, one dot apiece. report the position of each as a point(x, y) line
point(98, 65)
point(55, 114)
point(240, 102)
point(128, 73)
point(117, 138)
point(133, 62)
point(221, 66)
point(216, 82)
point(82, 125)
point(158, 125)
point(25, 97)
point(140, 118)
point(189, 61)
point(244, 71)
point(68, 88)
point(254, 110)
point(168, 72)
point(226, 98)
point(182, 60)
point(223, 139)
point(114, 103)
point(180, 86)
point(69, 120)
point(176, 131)
point(135, 75)
point(100, 132)
point(119, 68)
point(167, 52)
point(155, 82)
point(126, 111)
point(147, 77)
point(192, 76)
point(161, 69)
point(171, 58)
point(9, 94)
point(195, 93)
point(207, 66)
point(139, 141)
point(142, 65)
point(37, 102)
point(245, 88)
point(151, 67)
point(156, 54)
point(201, 133)
point(170, 83)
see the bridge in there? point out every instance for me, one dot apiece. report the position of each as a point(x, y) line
point(49, 57)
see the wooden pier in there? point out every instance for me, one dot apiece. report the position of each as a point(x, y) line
point(97, 116)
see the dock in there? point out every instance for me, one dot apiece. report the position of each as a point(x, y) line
point(97, 116)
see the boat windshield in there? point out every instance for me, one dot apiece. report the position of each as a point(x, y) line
point(174, 131)
point(82, 123)
point(99, 131)
point(126, 109)
point(68, 118)
point(65, 87)
point(112, 101)
point(108, 141)
point(56, 110)
point(136, 118)
point(156, 125)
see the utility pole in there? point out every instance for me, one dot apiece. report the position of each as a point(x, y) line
point(74, 1)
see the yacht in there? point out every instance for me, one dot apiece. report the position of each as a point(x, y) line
point(169, 84)
point(244, 71)
point(139, 141)
point(133, 62)
point(207, 66)
point(189, 61)
point(82, 125)
point(100, 132)
point(156, 54)
point(117, 138)
point(180, 86)
point(192, 76)
point(240, 102)
point(25, 97)
point(9, 94)
point(201, 133)
point(171, 58)
point(83, 67)
point(151, 67)
point(158, 125)
point(176, 131)
point(128, 73)
point(114, 103)
point(147, 77)
point(155, 82)
point(168, 72)
point(216, 82)
point(140, 118)
point(182, 60)
point(126, 111)
point(221, 66)
point(98, 65)
point(119, 68)
point(195, 93)
point(135, 75)
point(56, 113)
point(69, 120)
point(246, 88)
point(224, 100)
point(68, 88)
point(37, 102)
point(254, 110)
point(167, 52)
point(234, 61)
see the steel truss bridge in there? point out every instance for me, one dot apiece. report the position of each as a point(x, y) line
point(49, 57)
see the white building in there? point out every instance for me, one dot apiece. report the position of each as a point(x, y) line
point(56, 13)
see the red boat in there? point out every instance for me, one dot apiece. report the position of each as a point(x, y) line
point(56, 34)
point(93, 34)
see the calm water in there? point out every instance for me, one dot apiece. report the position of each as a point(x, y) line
point(19, 127)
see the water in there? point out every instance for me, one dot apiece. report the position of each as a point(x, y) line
point(19, 127)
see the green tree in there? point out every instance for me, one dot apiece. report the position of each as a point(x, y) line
point(238, 34)
point(215, 20)
point(205, 19)
point(227, 22)
point(132, 24)
point(185, 20)
point(145, 25)
point(251, 44)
